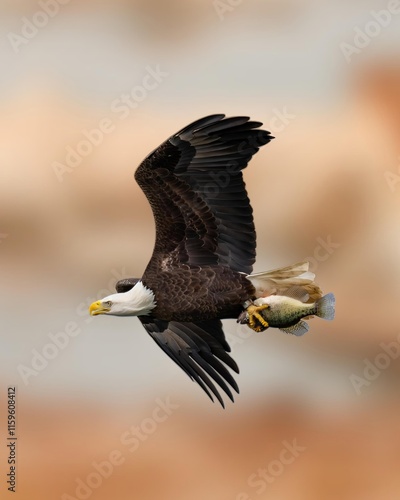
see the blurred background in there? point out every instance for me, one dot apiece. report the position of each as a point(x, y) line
point(87, 89)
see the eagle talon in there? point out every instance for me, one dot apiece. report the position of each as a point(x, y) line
point(258, 329)
point(254, 314)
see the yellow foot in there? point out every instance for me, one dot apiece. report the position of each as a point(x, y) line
point(255, 316)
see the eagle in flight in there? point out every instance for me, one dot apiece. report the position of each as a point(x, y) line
point(205, 248)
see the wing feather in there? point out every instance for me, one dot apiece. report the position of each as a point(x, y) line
point(195, 187)
point(198, 349)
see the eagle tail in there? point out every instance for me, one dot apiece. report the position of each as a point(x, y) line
point(282, 281)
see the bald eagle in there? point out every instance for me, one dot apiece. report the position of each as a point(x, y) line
point(205, 248)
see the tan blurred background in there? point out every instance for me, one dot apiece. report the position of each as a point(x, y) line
point(326, 189)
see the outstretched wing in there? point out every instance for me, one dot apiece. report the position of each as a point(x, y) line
point(198, 348)
point(194, 185)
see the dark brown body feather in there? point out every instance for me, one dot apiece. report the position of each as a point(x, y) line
point(198, 294)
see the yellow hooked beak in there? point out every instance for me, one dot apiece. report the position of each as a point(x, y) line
point(98, 308)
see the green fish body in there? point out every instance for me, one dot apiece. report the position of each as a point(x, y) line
point(286, 313)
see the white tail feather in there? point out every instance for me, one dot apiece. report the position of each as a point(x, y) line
point(280, 281)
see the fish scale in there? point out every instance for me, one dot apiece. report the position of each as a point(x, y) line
point(286, 312)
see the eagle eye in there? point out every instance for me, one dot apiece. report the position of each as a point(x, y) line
point(108, 303)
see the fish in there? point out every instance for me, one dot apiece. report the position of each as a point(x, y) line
point(287, 313)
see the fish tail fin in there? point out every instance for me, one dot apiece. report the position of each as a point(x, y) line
point(326, 307)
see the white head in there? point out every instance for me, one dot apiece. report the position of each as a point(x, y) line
point(138, 301)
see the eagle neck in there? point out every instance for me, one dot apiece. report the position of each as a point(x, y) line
point(141, 299)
